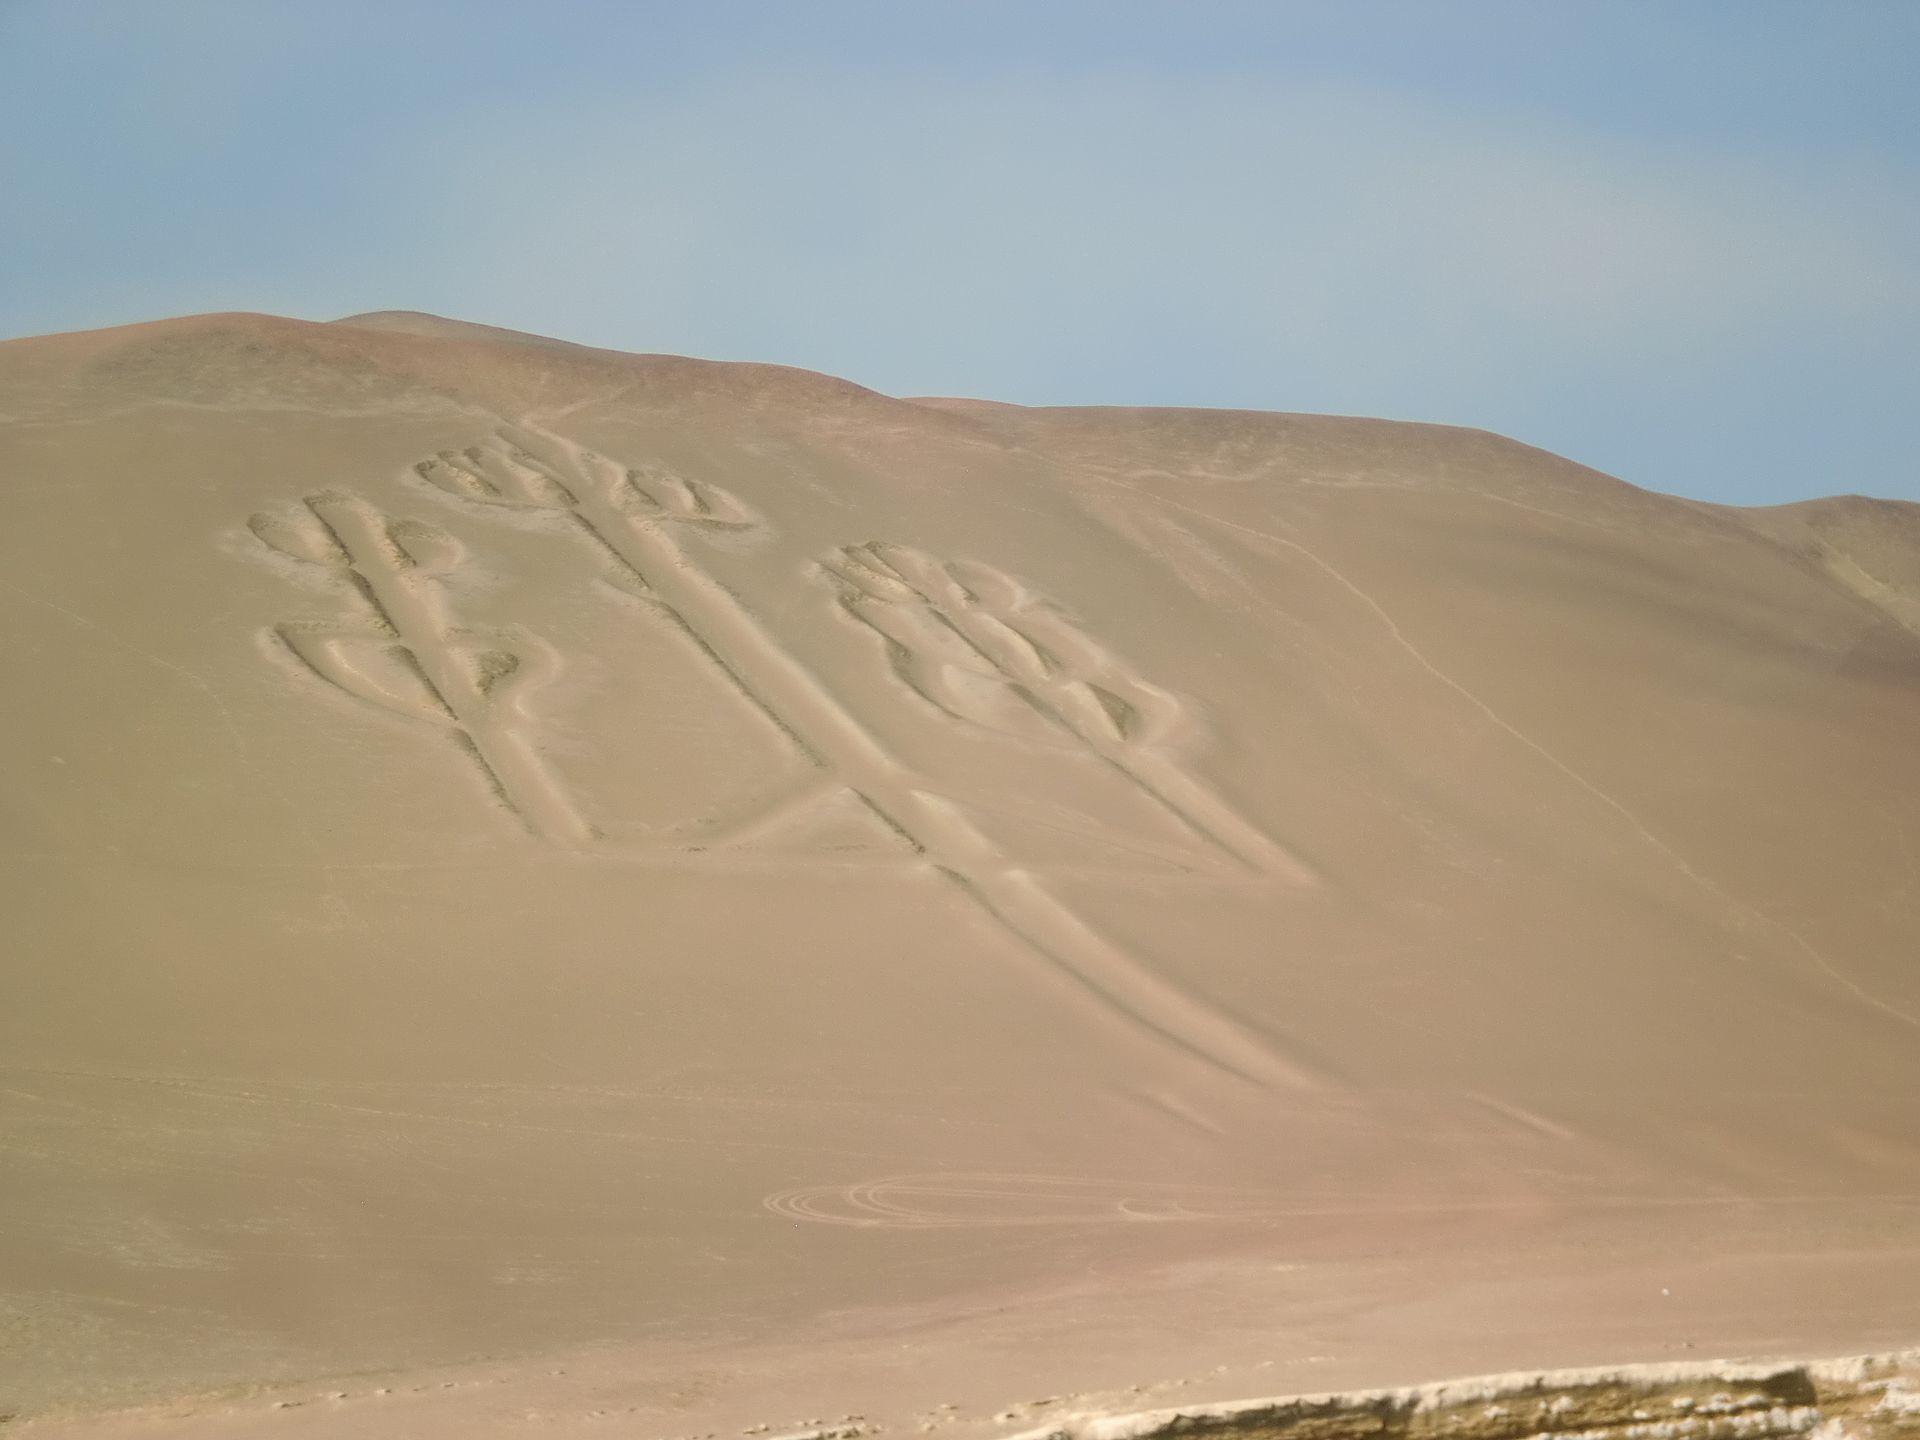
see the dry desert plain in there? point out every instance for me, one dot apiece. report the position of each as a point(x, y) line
point(559, 892)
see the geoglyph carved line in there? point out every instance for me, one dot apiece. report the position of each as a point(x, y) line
point(411, 661)
point(617, 509)
point(612, 508)
point(639, 516)
point(989, 1199)
point(977, 644)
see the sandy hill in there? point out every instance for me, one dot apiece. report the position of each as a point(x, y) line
point(791, 898)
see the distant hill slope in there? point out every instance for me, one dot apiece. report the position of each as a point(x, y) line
point(516, 848)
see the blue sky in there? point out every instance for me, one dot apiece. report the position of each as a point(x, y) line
point(1679, 241)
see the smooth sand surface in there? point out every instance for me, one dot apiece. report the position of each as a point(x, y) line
point(551, 891)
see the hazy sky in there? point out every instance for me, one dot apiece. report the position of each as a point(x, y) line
point(1676, 240)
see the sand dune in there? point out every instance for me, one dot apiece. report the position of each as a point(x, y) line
point(560, 883)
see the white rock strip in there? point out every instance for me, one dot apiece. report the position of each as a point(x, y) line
point(1879, 1395)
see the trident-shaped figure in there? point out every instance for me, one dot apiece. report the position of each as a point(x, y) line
point(410, 660)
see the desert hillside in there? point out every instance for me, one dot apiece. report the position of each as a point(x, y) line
point(519, 851)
